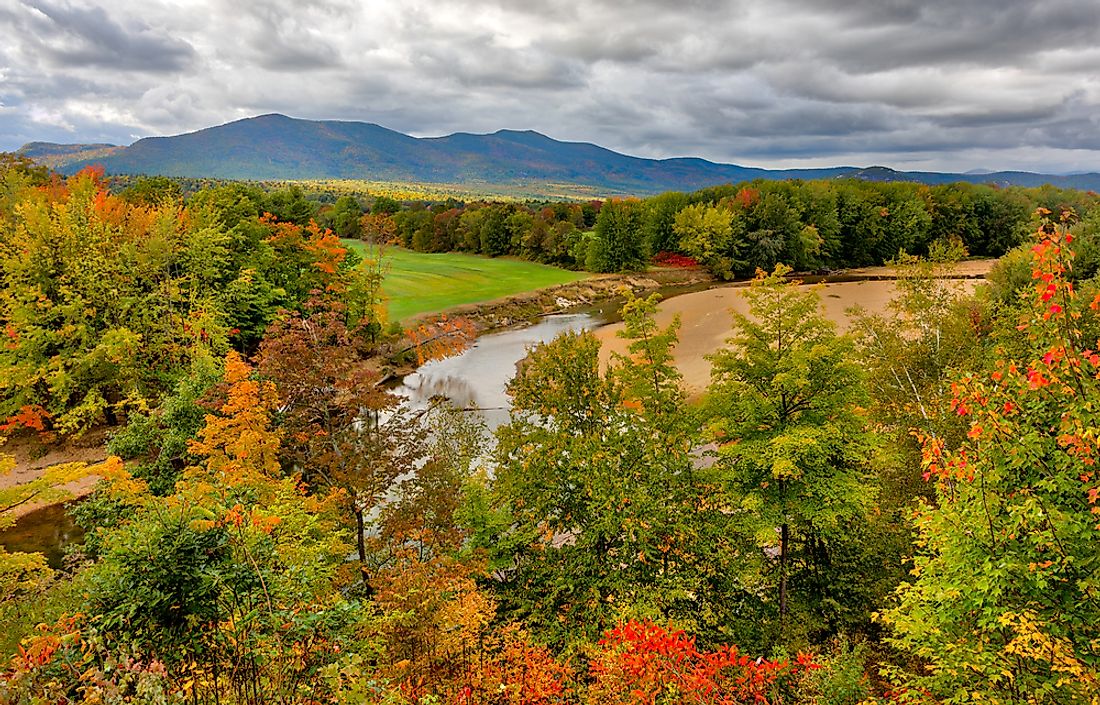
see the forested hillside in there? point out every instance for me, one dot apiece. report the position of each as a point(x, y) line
point(904, 513)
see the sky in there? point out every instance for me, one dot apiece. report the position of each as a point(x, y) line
point(947, 85)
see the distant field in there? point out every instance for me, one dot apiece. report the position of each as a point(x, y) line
point(420, 283)
point(473, 191)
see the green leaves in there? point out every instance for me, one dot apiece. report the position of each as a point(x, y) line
point(794, 449)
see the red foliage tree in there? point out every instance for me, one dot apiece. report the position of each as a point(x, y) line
point(643, 663)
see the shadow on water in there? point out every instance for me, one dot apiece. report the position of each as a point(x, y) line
point(49, 530)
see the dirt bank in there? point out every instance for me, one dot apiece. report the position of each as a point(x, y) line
point(33, 458)
point(520, 309)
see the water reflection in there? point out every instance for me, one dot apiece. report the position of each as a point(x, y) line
point(49, 530)
point(477, 378)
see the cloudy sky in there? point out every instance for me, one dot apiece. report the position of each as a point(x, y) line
point(930, 84)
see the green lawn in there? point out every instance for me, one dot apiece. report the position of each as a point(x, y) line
point(426, 283)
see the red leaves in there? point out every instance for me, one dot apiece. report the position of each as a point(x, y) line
point(1035, 379)
point(641, 661)
point(30, 416)
point(671, 259)
point(748, 196)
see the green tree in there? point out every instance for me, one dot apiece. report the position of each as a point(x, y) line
point(603, 514)
point(706, 233)
point(793, 445)
point(618, 243)
point(345, 216)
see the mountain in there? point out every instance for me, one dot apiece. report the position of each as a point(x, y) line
point(59, 155)
point(276, 147)
point(1087, 182)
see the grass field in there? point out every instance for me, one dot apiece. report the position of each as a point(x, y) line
point(419, 283)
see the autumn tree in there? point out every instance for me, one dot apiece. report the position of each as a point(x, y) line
point(1003, 601)
point(344, 429)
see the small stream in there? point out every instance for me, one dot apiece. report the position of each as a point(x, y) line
point(49, 530)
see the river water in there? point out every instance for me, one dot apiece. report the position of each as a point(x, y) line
point(477, 379)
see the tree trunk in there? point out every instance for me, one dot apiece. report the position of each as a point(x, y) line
point(360, 542)
point(784, 535)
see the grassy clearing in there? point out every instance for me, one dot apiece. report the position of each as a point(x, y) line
point(419, 283)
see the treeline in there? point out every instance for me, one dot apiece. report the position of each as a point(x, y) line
point(732, 230)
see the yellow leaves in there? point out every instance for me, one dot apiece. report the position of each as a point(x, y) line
point(1030, 642)
point(239, 442)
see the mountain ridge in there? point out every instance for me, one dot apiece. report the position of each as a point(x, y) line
point(277, 147)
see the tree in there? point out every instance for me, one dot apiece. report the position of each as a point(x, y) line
point(660, 214)
point(603, 514)
point(705, 233)
point(619, 243)
point(344, 430)
point(784, 410)
point(1005, 596)
point(345, 216)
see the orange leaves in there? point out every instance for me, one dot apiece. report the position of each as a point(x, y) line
point(514, 671)
point(238, 442)
point(39, 650)
point(440, 338)
point(238, 517)
point(30, 416)
point(327, 253)
point(378, 228)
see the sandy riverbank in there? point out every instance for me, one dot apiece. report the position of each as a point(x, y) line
point(32, 459)
point(705, 316)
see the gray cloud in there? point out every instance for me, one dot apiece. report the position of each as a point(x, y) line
point(936, 84)
point(86, 36)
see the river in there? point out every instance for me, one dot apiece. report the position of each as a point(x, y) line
point(477, 378)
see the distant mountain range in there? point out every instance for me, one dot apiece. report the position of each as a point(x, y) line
point(276, 147)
